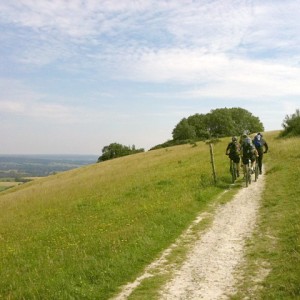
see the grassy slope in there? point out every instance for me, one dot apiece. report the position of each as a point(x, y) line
point(7, 184)
point(82, 233)
point(274, 252)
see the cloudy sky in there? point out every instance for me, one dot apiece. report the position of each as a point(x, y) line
point(76, 75)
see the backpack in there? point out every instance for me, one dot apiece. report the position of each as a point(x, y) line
point(258, 141)
point(234, 148)
point(247, 147)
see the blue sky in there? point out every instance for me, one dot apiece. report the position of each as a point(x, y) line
point(76, 75)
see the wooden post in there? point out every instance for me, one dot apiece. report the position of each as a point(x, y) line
point(212, 162)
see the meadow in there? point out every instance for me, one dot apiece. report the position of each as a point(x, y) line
point(7, 184)
point(273, 255)
point(82, 234)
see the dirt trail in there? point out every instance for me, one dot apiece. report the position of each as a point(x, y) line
point(208, 272)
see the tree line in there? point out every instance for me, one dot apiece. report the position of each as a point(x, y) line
point(221, 122)
point(217, 123)
point(115, 150)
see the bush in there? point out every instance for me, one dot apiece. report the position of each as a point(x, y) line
point(115, 150)
point(291, 125)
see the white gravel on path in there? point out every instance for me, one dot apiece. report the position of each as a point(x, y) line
point(208, 272)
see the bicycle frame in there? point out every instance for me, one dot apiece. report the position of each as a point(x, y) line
point(256, 169)
point(247, 173)
point(233, 170)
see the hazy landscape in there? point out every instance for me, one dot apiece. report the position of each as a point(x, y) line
point(16, 166)
point(17, 169)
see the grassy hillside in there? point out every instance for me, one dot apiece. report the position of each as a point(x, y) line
point(274, 253)
point(83, 233)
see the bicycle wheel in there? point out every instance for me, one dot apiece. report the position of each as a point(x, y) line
point(249, 175)
point(256, 171)
point(246, 168)
point(233, 171)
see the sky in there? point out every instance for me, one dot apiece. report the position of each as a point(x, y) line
point(77, 75)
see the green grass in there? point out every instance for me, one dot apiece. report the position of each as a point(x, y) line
point(275, 248)
point(3, 188)
point(82, 234)
point(6, 184)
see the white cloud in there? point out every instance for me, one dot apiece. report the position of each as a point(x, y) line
point(11, 107)
point(217, 75)
point(14, 91)
point(18, 99)
point(74, 18)
point(274, 29)
point(211, 24)
point(142, 31)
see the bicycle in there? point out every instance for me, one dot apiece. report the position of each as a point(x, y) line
point(233, 171)
point(256, 170)
point(248, 173)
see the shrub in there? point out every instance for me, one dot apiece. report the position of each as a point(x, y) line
point(291, 125)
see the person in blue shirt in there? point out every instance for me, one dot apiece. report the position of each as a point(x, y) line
point(261, 147)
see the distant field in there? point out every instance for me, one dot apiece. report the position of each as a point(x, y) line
point(5, 185)
point(8, 184)
point(19, 166)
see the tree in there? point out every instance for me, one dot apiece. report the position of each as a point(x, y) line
point(291, 124)
point(115, 150)
point(244, 120)
point(220, 122)
point(200, 123)
point(184, 131)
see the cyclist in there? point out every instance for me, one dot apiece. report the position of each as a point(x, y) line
point(248, 152)
point(233, 151)
point(244, 136)
point(261, 147)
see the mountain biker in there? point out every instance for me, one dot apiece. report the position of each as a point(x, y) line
point(233, 151)
point(261, 147)
point(244, 136)
point(243, 139)
point(248, 152)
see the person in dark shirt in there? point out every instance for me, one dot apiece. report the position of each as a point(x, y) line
point(261, 147)
point(248, 152)
point(233, 151)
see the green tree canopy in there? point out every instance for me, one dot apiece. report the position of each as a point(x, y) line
point(115, 150)
point(219, 122)
point(184, 131)
point(291, 124)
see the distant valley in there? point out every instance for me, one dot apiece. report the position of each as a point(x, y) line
point(22, 166)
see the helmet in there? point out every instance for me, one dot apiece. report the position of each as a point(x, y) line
point(259, 134)
point(234, 138)
point(248, 141)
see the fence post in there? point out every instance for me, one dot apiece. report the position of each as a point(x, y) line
point(212, 161)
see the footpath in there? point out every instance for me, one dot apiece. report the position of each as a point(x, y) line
point(210, 270)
